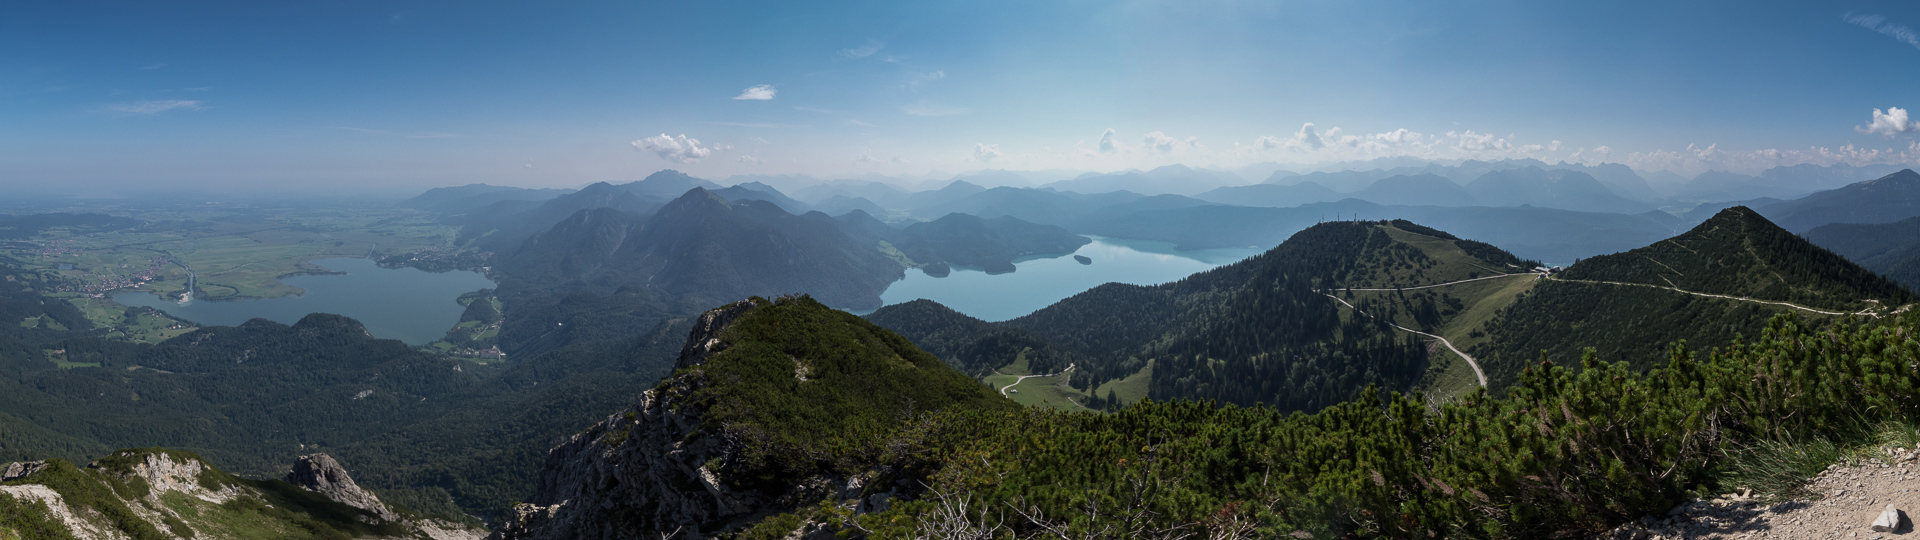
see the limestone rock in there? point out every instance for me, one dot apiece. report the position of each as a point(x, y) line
point(20, 469)
point(57, 508)
point(321, 474)
point(1888, 521)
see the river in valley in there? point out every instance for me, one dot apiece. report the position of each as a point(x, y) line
point(1038, 282)
point(407, 304)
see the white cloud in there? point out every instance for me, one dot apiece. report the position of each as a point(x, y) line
point(680, 149)
point(854, 122)
point(1306, 138)
point(1890, 123)
point(985, 152)
point(1161, 143)
point(433, 135)
point(1473, 144)
point(1879, 24)
point(917, 80)
point(1267, 142)
point(748, 160)
point(1107, 144)
point(928, 108)
point(757, 93)
point(151, 67)
point(863, 51)
point(151, 107)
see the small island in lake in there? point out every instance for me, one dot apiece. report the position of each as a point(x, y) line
point(1083, 259)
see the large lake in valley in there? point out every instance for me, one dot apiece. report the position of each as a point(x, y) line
point(407, 304)
point(1038, 282)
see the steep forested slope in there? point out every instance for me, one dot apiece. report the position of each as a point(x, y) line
point(1736, 254)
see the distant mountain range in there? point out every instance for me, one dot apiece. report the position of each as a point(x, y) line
point(1892, 249)
point(1890, 198)
point(704, 246)
point(1784, 182)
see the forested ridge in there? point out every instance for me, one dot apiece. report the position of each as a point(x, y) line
point(1736, 253)
point(1258, 331)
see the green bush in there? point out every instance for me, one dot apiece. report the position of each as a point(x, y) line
point(1568, 451)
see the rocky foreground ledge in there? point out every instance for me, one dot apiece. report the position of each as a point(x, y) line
point(1868, 501)
point(158, 493)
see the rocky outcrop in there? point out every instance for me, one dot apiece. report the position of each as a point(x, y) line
point(320, 473)
point(167, 473)
point(159, 478)
point(651, 471)
point(704, 340)
point(21, 469)
point(57, 509)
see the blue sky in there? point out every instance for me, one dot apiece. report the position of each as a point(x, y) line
point(417, 94)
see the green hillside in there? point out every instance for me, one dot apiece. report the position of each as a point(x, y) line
point(1725, 278)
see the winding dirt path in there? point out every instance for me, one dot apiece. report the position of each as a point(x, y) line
point(1443, 341)
point(1440, 284)
point(1016, 382)
point(1867, 312)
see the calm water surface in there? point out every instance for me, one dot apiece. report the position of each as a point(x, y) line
point(407, 304)
point(1038, 282)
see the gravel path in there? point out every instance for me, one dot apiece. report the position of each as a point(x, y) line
point(1849, 500)
point(1441, 284)
point(1016, 382)
point(1443, 341)
point(1867, 312)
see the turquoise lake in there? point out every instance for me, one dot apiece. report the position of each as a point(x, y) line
point(407, 304)
point(1038, 282)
